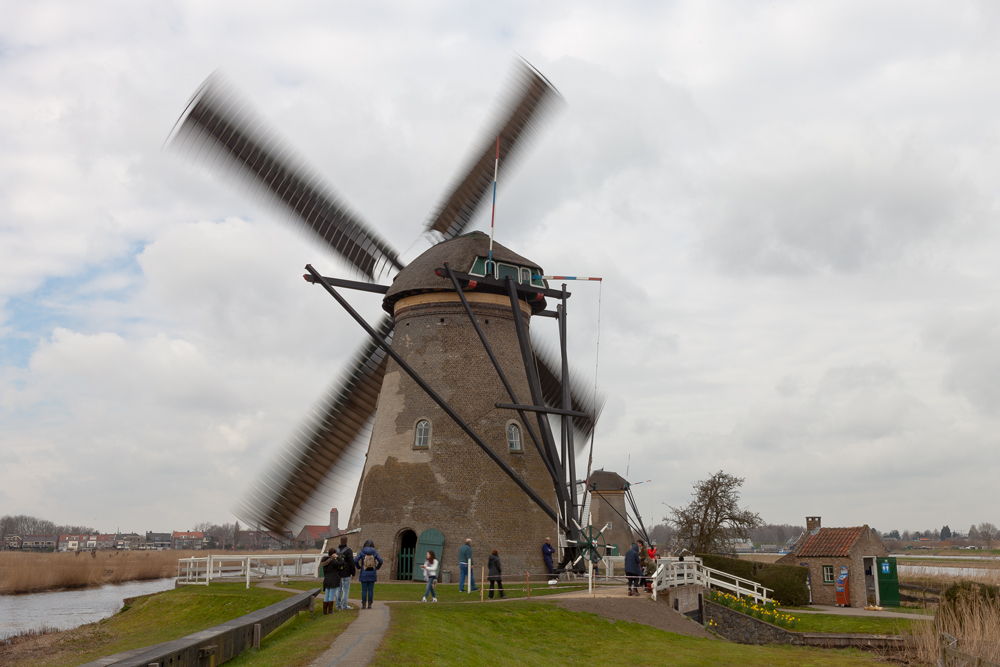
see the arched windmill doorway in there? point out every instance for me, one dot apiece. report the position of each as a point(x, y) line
point(404, 555)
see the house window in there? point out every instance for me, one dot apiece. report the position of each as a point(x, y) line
point(827, 574)
point(525, 276)
point(422, 435)
point(514, 437)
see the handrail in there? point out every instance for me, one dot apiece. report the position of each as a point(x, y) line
point(671, 573)
point(200, 570)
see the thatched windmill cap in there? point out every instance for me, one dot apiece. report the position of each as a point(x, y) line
point(460, 253)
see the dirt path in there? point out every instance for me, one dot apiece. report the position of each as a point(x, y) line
point(355, 646)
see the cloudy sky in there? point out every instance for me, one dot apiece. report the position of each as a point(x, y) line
point(792, 204)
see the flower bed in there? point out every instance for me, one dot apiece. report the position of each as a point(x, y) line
point(768, 612)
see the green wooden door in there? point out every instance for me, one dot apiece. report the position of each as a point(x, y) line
point(888, 582)
point(429, 540)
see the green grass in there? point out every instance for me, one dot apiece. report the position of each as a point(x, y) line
point(542, 634)
point(405, 591)
point(297, 642)
point(868, 625)
point(159, 618)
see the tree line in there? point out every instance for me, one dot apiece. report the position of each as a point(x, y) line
point(22, 524)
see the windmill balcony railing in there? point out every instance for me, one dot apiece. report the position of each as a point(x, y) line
point(671, 572)
point(201, 571)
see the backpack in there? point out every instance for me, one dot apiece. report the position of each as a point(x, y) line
point(369, 562)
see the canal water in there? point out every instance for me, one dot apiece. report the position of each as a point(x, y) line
point(63, 610)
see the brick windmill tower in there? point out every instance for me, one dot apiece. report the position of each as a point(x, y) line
point(445, 460)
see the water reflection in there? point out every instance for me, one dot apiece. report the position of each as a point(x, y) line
point(70, 609)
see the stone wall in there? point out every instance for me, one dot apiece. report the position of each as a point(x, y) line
point(742, 629)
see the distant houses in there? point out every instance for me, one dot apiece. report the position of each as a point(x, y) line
point(311, 537)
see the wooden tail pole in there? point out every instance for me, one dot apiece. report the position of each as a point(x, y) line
point(496, 167)
point(482, 583)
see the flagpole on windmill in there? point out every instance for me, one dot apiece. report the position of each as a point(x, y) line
point(496, 167)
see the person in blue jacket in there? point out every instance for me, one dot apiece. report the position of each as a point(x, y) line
point(633, 570)
point(368, 562)
point(547, 551)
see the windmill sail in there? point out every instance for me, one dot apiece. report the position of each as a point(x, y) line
point(222, 132)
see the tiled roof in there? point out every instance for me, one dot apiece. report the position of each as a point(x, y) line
point(315, 532)
point(830, 542)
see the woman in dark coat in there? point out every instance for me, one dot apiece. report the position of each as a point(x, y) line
point(495, 573)
point(331, 579)
point(368, 561)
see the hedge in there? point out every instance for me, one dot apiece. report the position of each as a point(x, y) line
point(787, 581)
point(971, 590)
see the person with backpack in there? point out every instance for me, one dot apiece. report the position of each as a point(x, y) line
point(464, 569)
point(430, 568)
point(331, 578)
point(368, 561)
point(496, 573)
point(346, 572)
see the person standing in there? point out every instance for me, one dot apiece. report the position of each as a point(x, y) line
point(464, 567)
point(430, 568)
point(331, 578)
point(496, 573)
point(547, 551)
point(643, 563)
point(368, 561)
point(632, 569)
point(346, 572)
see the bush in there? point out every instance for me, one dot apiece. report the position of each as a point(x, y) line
point(972, 590)
point(788, 582)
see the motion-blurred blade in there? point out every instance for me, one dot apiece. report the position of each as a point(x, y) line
point(528, 100)
point(319, 443)
point(583, 397)
point(222, 133)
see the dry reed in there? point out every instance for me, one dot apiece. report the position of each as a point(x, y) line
point(974, 621)
point(31, 572)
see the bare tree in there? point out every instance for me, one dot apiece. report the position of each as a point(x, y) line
point(713, 521)
point(22, 524)
point(987, 533)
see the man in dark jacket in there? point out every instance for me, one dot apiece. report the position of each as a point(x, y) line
point(331, 579)
point(633, 570)
point(346, 572)
point(547, 551)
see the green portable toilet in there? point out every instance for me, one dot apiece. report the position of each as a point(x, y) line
point(888, 581)
point(429, 540)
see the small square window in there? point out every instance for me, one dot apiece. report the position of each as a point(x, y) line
point(827, 574)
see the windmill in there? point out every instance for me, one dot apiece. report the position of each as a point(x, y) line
point(457, 317)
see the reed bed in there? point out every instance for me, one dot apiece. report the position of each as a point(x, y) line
point(973, 621)
point(32, 572)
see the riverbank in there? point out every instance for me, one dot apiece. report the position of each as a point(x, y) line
point(36, 572)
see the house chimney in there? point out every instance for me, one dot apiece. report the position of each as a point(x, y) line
point(334, 522)
point(812, 523)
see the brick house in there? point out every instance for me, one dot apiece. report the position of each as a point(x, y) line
point(159, 540)
point(257, 540)
point(40, 542)
point(191, 539)
point(12, 542)
point(310, 537)
point(824, 551)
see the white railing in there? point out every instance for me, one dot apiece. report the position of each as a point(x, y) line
point(671, 573)
point(201, 571)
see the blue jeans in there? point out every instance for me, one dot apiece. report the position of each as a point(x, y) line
point(328, 594)
point(341, 593)
point(463, 572)
point(429, 591)
point(367, 591)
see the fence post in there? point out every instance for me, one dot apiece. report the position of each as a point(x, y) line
point(248, 572)
point(528, 574)
point(256, 635)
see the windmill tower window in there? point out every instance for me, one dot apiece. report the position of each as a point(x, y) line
point(422, 435)
point(514, 437)
point(525, 276)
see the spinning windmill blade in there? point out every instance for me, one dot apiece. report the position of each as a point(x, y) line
point(221, 133)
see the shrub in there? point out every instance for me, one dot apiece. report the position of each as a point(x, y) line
point(788, 582)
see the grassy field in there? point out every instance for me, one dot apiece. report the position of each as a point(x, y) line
point(861, 624)
point(173, 614)
point(542, 634)
point(405, 591)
